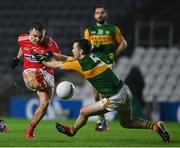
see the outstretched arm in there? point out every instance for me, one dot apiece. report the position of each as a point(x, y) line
point(60, 57)
point(53, 64)
point(50, 55)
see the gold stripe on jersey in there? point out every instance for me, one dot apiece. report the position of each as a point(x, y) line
point(86, 34)
point(74, 65)
point(102, 39)
point(95, 71)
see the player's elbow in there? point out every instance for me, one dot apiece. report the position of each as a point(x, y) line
point(124, 44)
point(124, 124)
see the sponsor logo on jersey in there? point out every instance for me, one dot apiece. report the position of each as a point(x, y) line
point(100, 31)
point(103, 39)
point(30, 58)
point(107, 32)
point(93, 32)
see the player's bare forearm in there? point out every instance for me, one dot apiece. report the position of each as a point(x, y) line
point(60, 57)
point(53, 64)
point(122, 46)
point(20, 53)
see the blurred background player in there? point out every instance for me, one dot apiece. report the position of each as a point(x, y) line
point(37, 76)
point(136, 83)
point(3, 126)
point(116, 95)
point(104, 38)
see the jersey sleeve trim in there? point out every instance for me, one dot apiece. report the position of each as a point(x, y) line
point(72, 65)
point(86, 34)
point(118, 35)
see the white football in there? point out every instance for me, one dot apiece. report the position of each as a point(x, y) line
point(65, 89)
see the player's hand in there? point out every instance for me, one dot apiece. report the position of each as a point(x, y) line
point(48, 55)
point(38, 57)
point(14, 63)
point(42, 57)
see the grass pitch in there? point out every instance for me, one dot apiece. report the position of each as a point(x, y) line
point(47, 136)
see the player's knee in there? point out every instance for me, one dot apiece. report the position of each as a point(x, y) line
point(44, 104)
point(124, 124)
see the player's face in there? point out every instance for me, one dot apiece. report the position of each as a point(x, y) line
point(36, 37)
point(100, 15)
point(77, 52)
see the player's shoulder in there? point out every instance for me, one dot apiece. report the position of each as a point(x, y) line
point(91, 27)
point(73, 60)
point(113, 26)
point(74, 63)
point(23, 37)
point(49, 39)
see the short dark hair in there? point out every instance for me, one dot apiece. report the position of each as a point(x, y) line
point(101, 6)
point(38, 26)
point(85, 45)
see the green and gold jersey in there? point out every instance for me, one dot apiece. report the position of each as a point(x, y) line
point(103, 39)
point(97, 73)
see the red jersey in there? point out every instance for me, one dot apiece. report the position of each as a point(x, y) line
point(27, 46)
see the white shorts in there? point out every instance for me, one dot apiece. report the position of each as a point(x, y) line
point(47, 78)
point(121, 101)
